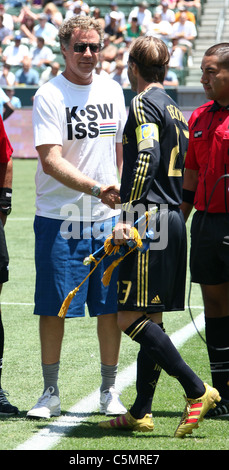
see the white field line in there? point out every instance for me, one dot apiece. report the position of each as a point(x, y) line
point(52, 434)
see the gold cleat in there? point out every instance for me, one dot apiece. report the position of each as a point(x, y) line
point(127, 422)
point(195, 411)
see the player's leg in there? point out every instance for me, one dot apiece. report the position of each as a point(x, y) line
point(136, 324)
point(216, 304)
point(109, 336)
point(51, 257)
point(159, 348)
point(148, 373)
point(210, 268)
point(102, 303)
point(5, 407)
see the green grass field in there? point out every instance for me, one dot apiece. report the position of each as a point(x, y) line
point(80, 362)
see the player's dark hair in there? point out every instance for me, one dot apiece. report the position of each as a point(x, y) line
point(221, 50)
point(151, 55)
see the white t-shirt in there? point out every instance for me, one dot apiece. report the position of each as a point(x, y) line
point(188, 28)
point(87, 121)
point(15, 55)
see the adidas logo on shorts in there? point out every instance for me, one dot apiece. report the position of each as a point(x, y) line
point(156, 300)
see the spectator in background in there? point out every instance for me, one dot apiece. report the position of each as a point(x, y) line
point(15, 101)
point(159, 28)
point(120, 15)
point(96, 13)
point(120, 74)
point(166, 13)
point(54, 15)
point(75, 9)
point(15, 53)
point(6, 34)
point(27, 29)
point(142, 13)
point(7, 18)
point(113, 28)
point(6, 108)
point(133, 29)
point(186, 33)
point(194, 4)
point(177, 52)
point(41, 55)
point(185, 30)
point(190, 15)
point(170, 78)
point(50, 72)
point(25, 22)
point(172, 4)
point(46, 30)
point(7, 78)
point(27, 75)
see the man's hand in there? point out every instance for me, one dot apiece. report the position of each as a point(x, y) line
point(110, 195)
point(121, 233)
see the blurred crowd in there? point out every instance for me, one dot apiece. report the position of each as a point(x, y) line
point(30, 53)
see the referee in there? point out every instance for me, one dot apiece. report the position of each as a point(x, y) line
point(206, 186)
point(5, 208)
point(155, 144)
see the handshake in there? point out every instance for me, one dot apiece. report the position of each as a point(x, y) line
point(110, 195)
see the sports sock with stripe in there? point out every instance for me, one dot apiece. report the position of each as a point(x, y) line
point(217, 336)
point(161, 350)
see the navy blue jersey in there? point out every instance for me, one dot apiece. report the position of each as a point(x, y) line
point(155, 143)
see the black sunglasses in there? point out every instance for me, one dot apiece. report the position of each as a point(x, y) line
point(82, 46)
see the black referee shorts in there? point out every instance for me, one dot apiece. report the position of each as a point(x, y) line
point(154, 281)
point(4, 258)
point(209, 257)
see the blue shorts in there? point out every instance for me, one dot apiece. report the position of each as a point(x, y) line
point(60, 268)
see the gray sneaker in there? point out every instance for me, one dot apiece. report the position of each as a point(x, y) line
point(110, 403)
point(48, 405)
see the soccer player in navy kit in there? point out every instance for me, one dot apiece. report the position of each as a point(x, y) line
point(206, 186)
point(155, 144)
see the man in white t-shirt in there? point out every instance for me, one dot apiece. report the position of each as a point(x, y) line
point(15, 53)
point(78, 120)
point(40, 54)
point(142, 13)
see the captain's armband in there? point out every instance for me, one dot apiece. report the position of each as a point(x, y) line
point(146, 135)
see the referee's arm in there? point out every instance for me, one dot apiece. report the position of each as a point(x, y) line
point(189, 189)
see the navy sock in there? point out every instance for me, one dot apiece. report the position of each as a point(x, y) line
point(148, 373)
point(161, 350)
point(217, 336)
point(1, 345)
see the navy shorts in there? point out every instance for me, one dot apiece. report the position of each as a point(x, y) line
point(60, 268)
point(4, 258)
point(209, 257)
point(154, 281)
